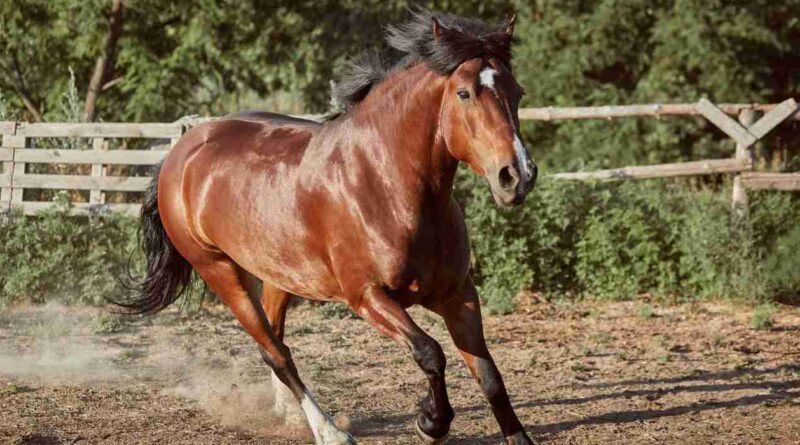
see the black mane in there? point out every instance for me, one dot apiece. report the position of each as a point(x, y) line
point(460, 39)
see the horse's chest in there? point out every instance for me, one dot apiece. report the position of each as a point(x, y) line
point(410, 261)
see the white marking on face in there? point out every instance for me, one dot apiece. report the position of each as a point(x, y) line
point(487, 76)
point(521, 156)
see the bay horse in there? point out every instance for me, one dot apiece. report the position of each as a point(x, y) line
point(358, 209)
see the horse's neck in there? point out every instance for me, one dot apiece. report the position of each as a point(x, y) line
point(404, 114)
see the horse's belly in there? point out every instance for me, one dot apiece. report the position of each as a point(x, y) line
point(311, 279)
point(277, 257)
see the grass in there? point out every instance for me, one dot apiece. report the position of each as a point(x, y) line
point(335, 310)
point(107, 323)
point(13, 388)
point(129, 355)
point(299, 330)
point(646, 311)
point(762, 318)
point(600, 337)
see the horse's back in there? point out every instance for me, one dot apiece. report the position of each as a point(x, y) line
point(275, 119)
point(218, 169)
point(245, 137)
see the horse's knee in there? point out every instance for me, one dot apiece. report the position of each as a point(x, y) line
point(279, 359)
point(430, 357)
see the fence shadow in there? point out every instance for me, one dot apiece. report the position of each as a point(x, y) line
point(778, 391)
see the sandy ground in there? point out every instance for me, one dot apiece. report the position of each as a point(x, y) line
point(588, 373)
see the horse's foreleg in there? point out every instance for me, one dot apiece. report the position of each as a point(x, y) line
point(230, 282)
point(462, 315)
point(275, 301)
point(385, 314)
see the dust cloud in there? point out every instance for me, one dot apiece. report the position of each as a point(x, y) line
point(50, 344)
point(58, 345)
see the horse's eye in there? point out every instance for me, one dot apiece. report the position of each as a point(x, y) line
point(463, 95)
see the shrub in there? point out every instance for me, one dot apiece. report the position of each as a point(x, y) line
point(56, 257)
point(615, 241)
point(569, 240)
point(762, 317)
point(500, 246)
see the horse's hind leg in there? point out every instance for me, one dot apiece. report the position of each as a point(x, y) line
point(275, 302)
point(231, 283)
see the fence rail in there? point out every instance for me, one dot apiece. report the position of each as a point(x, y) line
point(694, 168)
point(16, 157)
point(16, 154)
point(647, 110)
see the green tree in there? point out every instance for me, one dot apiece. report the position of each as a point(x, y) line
point(190, 56)
point(575, 53)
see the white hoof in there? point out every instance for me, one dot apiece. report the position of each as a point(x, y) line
point(334, 436)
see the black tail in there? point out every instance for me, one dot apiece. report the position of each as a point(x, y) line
point(168, 273)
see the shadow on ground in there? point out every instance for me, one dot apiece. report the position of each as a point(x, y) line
point(779, 391)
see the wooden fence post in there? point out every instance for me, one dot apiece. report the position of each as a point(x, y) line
point(739, 199)
point(98, 170)
point(8, 168)
point(14, 168)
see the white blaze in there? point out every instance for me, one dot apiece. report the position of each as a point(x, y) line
point(521, 152)
point(487, 76)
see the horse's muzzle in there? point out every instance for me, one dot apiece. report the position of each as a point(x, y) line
point(511, 184)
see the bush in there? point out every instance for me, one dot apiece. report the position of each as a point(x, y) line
point(56, 257)
point(618, 240)
point(762, 317)
point(608, 241)
point(72, 260)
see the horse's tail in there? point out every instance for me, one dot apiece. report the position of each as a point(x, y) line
point(168, 273)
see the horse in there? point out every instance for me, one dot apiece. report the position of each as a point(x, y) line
point(357, 209)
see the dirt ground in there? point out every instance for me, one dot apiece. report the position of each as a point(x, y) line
point(585, 373)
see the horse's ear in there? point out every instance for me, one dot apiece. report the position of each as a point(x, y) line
point(437, 28)
point(510, 24)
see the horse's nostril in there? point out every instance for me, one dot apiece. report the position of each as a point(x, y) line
point(508, 177)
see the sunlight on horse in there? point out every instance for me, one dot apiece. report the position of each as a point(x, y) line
point(358, 209)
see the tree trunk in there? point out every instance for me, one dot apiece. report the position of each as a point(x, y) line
point(105, 63)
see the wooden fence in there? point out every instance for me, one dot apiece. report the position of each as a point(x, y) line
point(16, 158)
point(746, 132)
point(17, 137)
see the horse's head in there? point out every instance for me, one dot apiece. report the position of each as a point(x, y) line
point(479, 118)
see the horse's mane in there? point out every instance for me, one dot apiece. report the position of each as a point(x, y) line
point(460, 39)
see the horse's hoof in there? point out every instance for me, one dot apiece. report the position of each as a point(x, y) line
point(347, 439)
point(519, 438)
point(334, 436)
point(428, 439)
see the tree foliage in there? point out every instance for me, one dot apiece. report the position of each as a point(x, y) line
point(186, 57)
point(605, 52)
point(182, 57)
